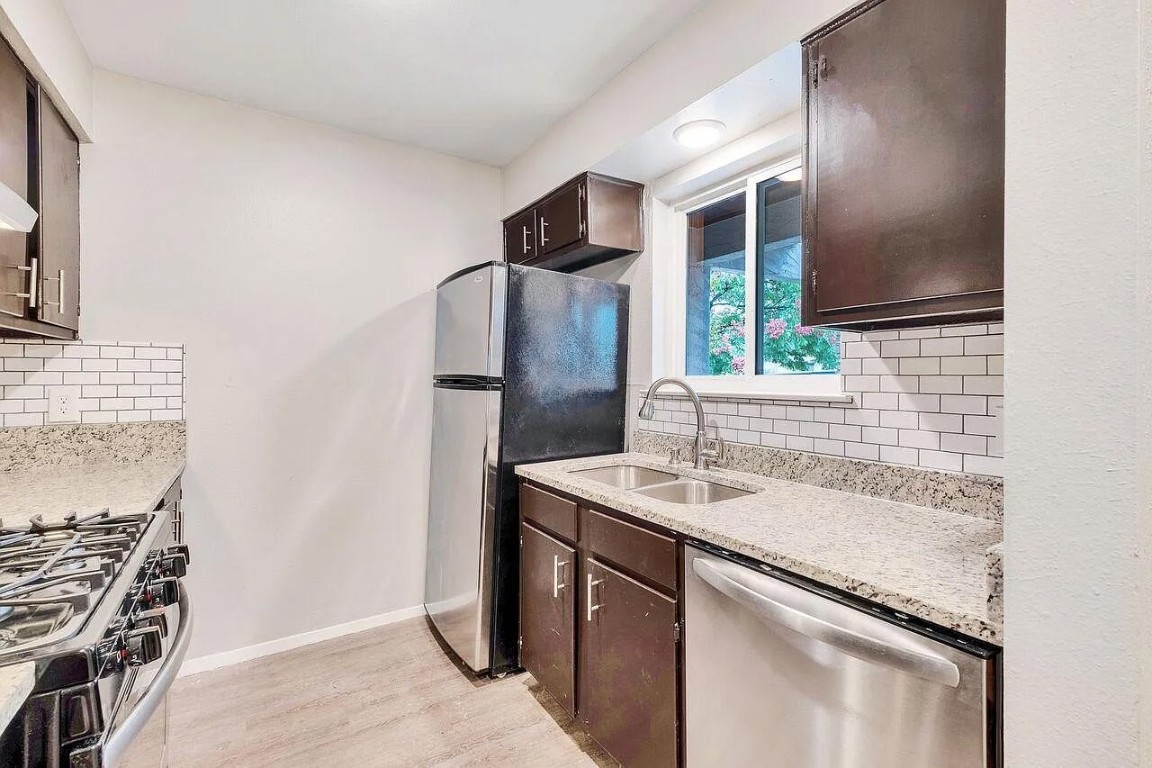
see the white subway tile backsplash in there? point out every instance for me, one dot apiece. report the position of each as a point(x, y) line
point(866, 451)
point(900, 419)
point(925, 397)
point(119, 381)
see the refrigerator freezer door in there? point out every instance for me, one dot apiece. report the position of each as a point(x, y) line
point(461, 514)
point(470, 324)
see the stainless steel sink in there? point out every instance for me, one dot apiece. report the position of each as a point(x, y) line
point(626, 476)
point(686, 491)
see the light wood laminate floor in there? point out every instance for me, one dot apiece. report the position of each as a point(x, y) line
point(386, 697)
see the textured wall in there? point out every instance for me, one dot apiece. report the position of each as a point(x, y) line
point(1078, 253)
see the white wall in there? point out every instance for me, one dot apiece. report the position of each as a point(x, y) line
point(1077, 260)
point(723, 39)
point(297, 262)
point(42, 35)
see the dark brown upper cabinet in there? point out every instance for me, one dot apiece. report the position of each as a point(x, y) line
point(59, 223)
point(520, 238)
point(588, 220)
point(15, 270)
point(39, 160)
point(904, 165)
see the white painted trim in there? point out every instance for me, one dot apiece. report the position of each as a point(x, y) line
point(250, 652)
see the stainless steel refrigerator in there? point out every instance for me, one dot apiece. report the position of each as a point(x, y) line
point(530, 366)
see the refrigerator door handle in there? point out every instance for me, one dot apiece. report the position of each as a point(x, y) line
point(861, 645)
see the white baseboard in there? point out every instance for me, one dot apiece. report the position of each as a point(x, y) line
point(247, 653)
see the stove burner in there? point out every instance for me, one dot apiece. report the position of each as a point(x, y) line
point(52, 573)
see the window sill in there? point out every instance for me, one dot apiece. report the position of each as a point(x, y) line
point(745, 394)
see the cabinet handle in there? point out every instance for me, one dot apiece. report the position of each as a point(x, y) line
point(543, 224)
point(31, 294)
point(557, 564)
point(524, 240)
point(59, 280)
point(592, 608)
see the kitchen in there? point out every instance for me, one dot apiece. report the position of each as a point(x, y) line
point(261, 223)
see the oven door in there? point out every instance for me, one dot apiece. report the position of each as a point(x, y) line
point(137, 736)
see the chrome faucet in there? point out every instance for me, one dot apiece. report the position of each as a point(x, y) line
point(703, 452)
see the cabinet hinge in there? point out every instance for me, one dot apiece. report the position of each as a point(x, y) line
point(581, 229)
point(676, 632)
point(813, 282)
point(580, 191)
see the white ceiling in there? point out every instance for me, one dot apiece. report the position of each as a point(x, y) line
point(479, 79)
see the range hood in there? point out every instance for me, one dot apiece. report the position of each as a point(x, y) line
point(15, 213)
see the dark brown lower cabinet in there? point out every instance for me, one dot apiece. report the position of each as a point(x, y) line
point(547, 613)
point(599, 623)
point(627, 670)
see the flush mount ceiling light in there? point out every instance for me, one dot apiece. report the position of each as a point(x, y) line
point(699, 133)
point(15, 213)
point(793, 175)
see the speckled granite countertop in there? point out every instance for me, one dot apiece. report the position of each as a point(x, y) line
point(16, 682)
point(54, 492)
point(923, 562)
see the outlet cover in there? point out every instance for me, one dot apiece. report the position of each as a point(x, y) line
point(63, 405)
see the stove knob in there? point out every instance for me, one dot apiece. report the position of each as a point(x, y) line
point(154, 617)
point(180, 549)
point(166, 590)
point(174, 565)
point(144, 646)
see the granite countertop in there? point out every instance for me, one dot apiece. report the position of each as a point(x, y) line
point(927, 563)
point(16, 682)
point(54, 492)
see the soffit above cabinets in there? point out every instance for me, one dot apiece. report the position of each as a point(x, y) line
point(479, 80)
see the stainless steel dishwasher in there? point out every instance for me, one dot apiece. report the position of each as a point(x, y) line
point(780, 672)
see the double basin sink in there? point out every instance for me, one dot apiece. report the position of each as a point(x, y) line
point(662, 486)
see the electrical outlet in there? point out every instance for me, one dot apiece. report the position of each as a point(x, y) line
point(63, 405)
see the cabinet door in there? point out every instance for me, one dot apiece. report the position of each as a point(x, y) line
point(905, 159)
point(15, 279)
point(628, 668)
point(520, 238)
point(560, 218)
point(547, 613)
point(59, 220)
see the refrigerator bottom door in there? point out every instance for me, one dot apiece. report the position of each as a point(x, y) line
point(461, 515)
point(781, 677)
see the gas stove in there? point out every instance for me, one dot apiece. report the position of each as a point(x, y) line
point(97, 603)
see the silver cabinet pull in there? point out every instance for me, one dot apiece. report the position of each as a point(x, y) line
point(592, 584)
point(543, 224)
point(31, 294)
point(524, 240)
point(557, 564)
point(59, 280)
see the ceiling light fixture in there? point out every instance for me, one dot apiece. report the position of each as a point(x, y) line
point(796, 174)
point(699, 133)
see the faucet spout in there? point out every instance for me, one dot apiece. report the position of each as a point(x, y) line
point(647, 408)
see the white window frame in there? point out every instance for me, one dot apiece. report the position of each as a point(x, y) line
point(817, 386)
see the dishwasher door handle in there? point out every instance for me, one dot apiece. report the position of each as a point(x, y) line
point(728, 579)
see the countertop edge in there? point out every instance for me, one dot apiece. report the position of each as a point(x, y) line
point(979, 627)
point(16, 682)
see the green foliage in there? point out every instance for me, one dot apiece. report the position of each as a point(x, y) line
point(788, 345)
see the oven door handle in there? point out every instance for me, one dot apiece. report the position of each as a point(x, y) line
point(118, 742)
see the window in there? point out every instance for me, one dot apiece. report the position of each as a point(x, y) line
point(742, 285)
